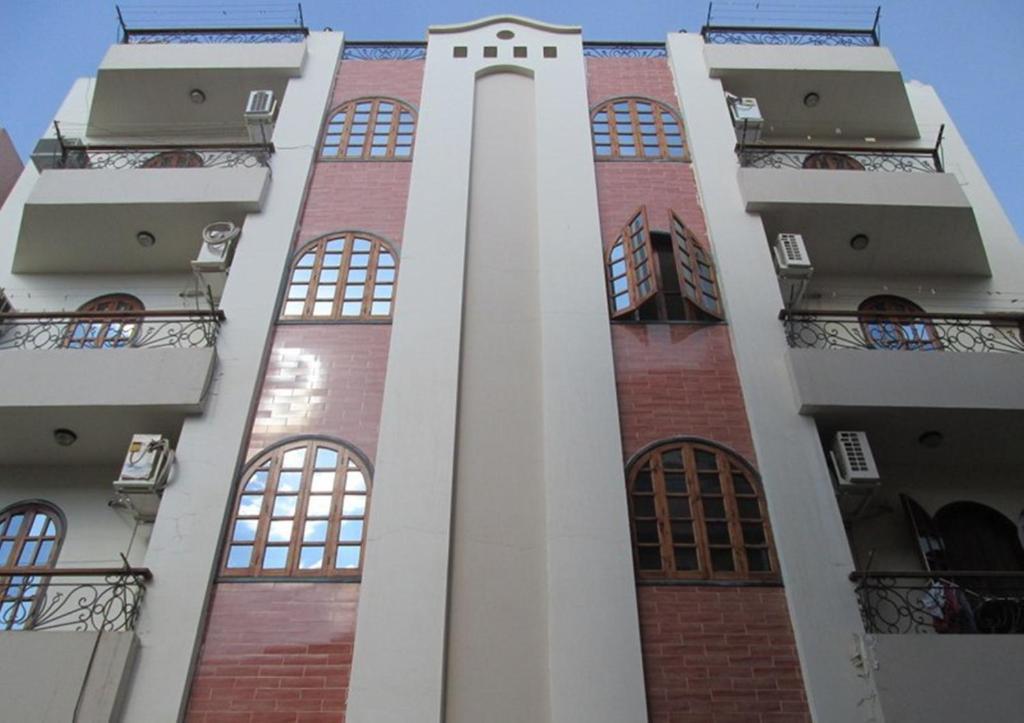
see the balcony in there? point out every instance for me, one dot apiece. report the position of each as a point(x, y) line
point(885, 360)
point(68, 672)
point(917, 217)
point(87, 208)
point(104, 375)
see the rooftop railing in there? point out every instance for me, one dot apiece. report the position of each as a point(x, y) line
point(78, 599)
point(913, 331)
point(281, 23)
point(721, 27)
point(384, 50)
point(191, 156)
point(110, 329)
point(947, 602)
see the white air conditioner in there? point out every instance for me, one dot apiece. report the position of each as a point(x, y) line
point(219, 239)
point(853, 461)
point(746, 118)
point(259, 115)
point(791, 259)
point(144, 475)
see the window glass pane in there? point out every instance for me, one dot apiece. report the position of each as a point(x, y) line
point(43, 556)
point(298, 291)
point(5, 551)
point(686, 558)
point(280, 531)
point(753, 533)
point(328, 276)
point(329, 151)
point(245, 531)
point(682, 532)
point(316, 531)
point(284, 506)
point(714, 508)
point(718, 533)
point(380, 308)
point(275, 558)
point(332, 260)
point(361, 244)
point(679, 508)
point(351, 308)
point(360, 261)
point(293, 308)
point(672, 458)
point(642, 481)
point(348, 557)
point(758, 559)
point(647, 531)
point(319, 506)
point(28, 551)
point(326, 291)
point(721, 559)
point(741, 484)
point(250, 505)
point(38, 525)
point(643, 506)
point(294, 458)
point(323, 308)
point(354, 292)
point(385, 275)
point(710, 483)
point(326, 458)
point(353, 505)
point(356, 276)
point(748, 508)
point(403, 151)
point(289, 482)
point(648, 558)
point(675, 482)
point(705, 459)
point(323, 482)
point(239, 556)
point(307, 260)
point(354, 482)
point(351, 531)
point(312, 558)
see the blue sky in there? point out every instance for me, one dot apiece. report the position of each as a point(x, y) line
point(971, 51)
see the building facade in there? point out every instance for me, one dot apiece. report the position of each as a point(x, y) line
point(508, 377)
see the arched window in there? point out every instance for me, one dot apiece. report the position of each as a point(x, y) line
point(300, 511)
point(697, 513)
point(656, 276)
point(347, 275)
point(888, 322)
point(831, 161)
point(31, 534)
point(637, 129)
point(105, 333)
point(369, 129)
point(174, 159)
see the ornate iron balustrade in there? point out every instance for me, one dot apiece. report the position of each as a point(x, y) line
point(153, 36)
point(914, 331)
point(384, 50)
point(601, 49)
point(906, 160)
point(744, 35)
point(200, 156)
point(941, 602)
point(110, 329)
point(105, 599)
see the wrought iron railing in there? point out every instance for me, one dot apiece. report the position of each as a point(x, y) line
point(941, 602)
point(103, 599)
point(606, 49)
point(913, 331)
point(152, 36)
point(906, 160)
point(193, 156)
point(270, 23)
point(109, 329)
point(726, 33)
point(384, 50)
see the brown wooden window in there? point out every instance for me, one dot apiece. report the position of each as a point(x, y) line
point(637, 129)
point(369, 129)
point(697, 513)
point(174, 159)
point(901, 330)
point(656, 276)
point(105, 333)
point(831, 161)
point(300, 511)
point(347, 276)
point(31, 534)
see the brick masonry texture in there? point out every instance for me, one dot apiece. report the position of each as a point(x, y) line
point(276, 652)
point(712, 654)
point(719, 655)
point(281, 651)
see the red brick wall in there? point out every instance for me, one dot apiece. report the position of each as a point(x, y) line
point(281, 651)
point(712, 654)
point(276, 652)
point(719, 655)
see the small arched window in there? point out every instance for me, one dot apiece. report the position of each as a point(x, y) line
point(889, 322)
point(369, 129)
point(174, 159)
point(832, 161)
point(696, 512)
point(348, 276)
point(637, 129)
point(31, 534)
point(101, 333)
point(300, 511)
point(657, 276)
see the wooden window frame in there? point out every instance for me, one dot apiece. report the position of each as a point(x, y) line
point(903, 308)
point(661, 133)
point(632, 240)
point(73, 340)
point(370, 284)
point(13, 588)
point(347, 112)
point(685, 246)
point(349, 460)
point(728, 466)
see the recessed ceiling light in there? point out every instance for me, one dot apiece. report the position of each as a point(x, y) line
point(64, 437)
point(930, 439)
point(859, 242)
point(145, 239)
point(811, 99)
point(197, 96)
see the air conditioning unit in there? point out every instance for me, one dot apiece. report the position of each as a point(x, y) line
point(219, 239)
point(791, 259)
point(746, 118)
point(144, 475)
point(259, 115)
point(854, 464)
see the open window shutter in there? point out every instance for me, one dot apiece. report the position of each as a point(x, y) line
point(697, 279)
point(926, 533)
point(630, 266)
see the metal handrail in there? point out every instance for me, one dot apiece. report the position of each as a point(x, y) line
point(213, 314)
point(143, 573)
